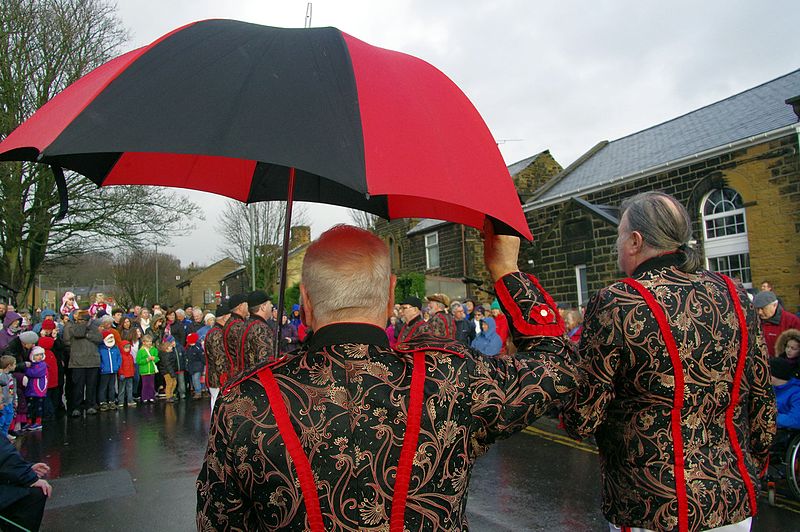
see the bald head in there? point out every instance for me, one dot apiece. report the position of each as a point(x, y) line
point(347, 277)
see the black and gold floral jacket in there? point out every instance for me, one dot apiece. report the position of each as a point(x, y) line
point(216, 361)
point(347, 396)
point(627, 398)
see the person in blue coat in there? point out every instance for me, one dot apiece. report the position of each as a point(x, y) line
point(110, 362)
point(488, 341)
point(23, 491)
point(787, 393)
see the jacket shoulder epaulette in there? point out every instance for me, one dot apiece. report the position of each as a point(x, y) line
point(430, 343)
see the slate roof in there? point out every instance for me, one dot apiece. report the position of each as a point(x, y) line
point(513, 169)
point(753, 112)
point(519, 166)
point(425, 225)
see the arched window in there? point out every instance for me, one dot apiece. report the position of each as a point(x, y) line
point(725, 235)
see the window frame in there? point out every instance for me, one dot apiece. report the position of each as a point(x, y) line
point(731, 246)
point(430, 246)
point(582, 287)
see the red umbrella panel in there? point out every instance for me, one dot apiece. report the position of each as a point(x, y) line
point(230, 107)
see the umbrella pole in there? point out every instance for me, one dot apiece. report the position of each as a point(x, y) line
point(287, 223)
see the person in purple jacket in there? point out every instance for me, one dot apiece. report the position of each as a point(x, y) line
point(36, 389)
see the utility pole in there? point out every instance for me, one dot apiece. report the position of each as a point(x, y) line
point(156, 301)
point(251, 218)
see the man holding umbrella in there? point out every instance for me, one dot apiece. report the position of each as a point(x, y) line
point(345, 418)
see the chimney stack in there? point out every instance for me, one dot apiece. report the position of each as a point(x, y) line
point(795, 103)
point(300, 234)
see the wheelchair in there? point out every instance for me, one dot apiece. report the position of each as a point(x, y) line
point(784, 465)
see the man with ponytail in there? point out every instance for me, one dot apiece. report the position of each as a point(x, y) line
point(676, 383)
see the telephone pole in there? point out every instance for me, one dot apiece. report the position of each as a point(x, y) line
point(156, 301)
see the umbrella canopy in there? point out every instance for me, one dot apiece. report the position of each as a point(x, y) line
point(230, 107)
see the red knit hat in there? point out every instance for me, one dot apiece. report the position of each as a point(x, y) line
point(192, 338)
point(48, 325)
point(124, 343)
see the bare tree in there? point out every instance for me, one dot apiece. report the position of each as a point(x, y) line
point(363, 219)
point(135, 276)
point(44, 46)
point(267, 222)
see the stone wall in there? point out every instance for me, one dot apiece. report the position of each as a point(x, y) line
point(207, 279)
point(566, 236)
point(536, 174)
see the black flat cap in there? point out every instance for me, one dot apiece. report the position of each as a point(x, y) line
point(256, 298)
point(413, 301)
point(236, 300)
point(222, 310)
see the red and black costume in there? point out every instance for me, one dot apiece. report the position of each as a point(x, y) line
point(677, 391)
point(216, 362)
point(350, 434)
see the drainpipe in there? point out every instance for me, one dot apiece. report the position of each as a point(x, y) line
point(464, 258)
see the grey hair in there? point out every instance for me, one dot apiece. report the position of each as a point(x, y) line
point(209, 318)
point(180, 312)
point(664, 225)
point(437, 306)
point(346, 272)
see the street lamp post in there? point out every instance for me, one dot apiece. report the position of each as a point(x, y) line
point(252, 220)
point(156, 301)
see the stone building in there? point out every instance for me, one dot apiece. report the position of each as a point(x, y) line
point(734, 164)
point(234, 282)
point(447, 252)
point(299, 241)
point(201, 284)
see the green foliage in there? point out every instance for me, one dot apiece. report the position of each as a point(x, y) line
point(409, 284)
point(291, 297)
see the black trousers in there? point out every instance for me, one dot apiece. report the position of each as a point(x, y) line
point(54, 405)
point(108, 388)
point(27, 512)
point(35, 409)
point(84, 387)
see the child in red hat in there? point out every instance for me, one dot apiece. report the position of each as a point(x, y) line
point(196, 362)
point(126, 373)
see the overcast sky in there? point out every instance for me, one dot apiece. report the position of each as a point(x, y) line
point(556, 75)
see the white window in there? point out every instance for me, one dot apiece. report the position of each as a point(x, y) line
point(726, 246)
point(583, 286)
point(432, 250)
point(208, 296)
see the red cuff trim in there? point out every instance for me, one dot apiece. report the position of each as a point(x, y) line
point(522, 324)
point(763, 472)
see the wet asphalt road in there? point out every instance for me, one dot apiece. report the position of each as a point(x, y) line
point(135, 470)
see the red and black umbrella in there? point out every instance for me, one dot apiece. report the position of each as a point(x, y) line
point(259, 113)
point(230, 107)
